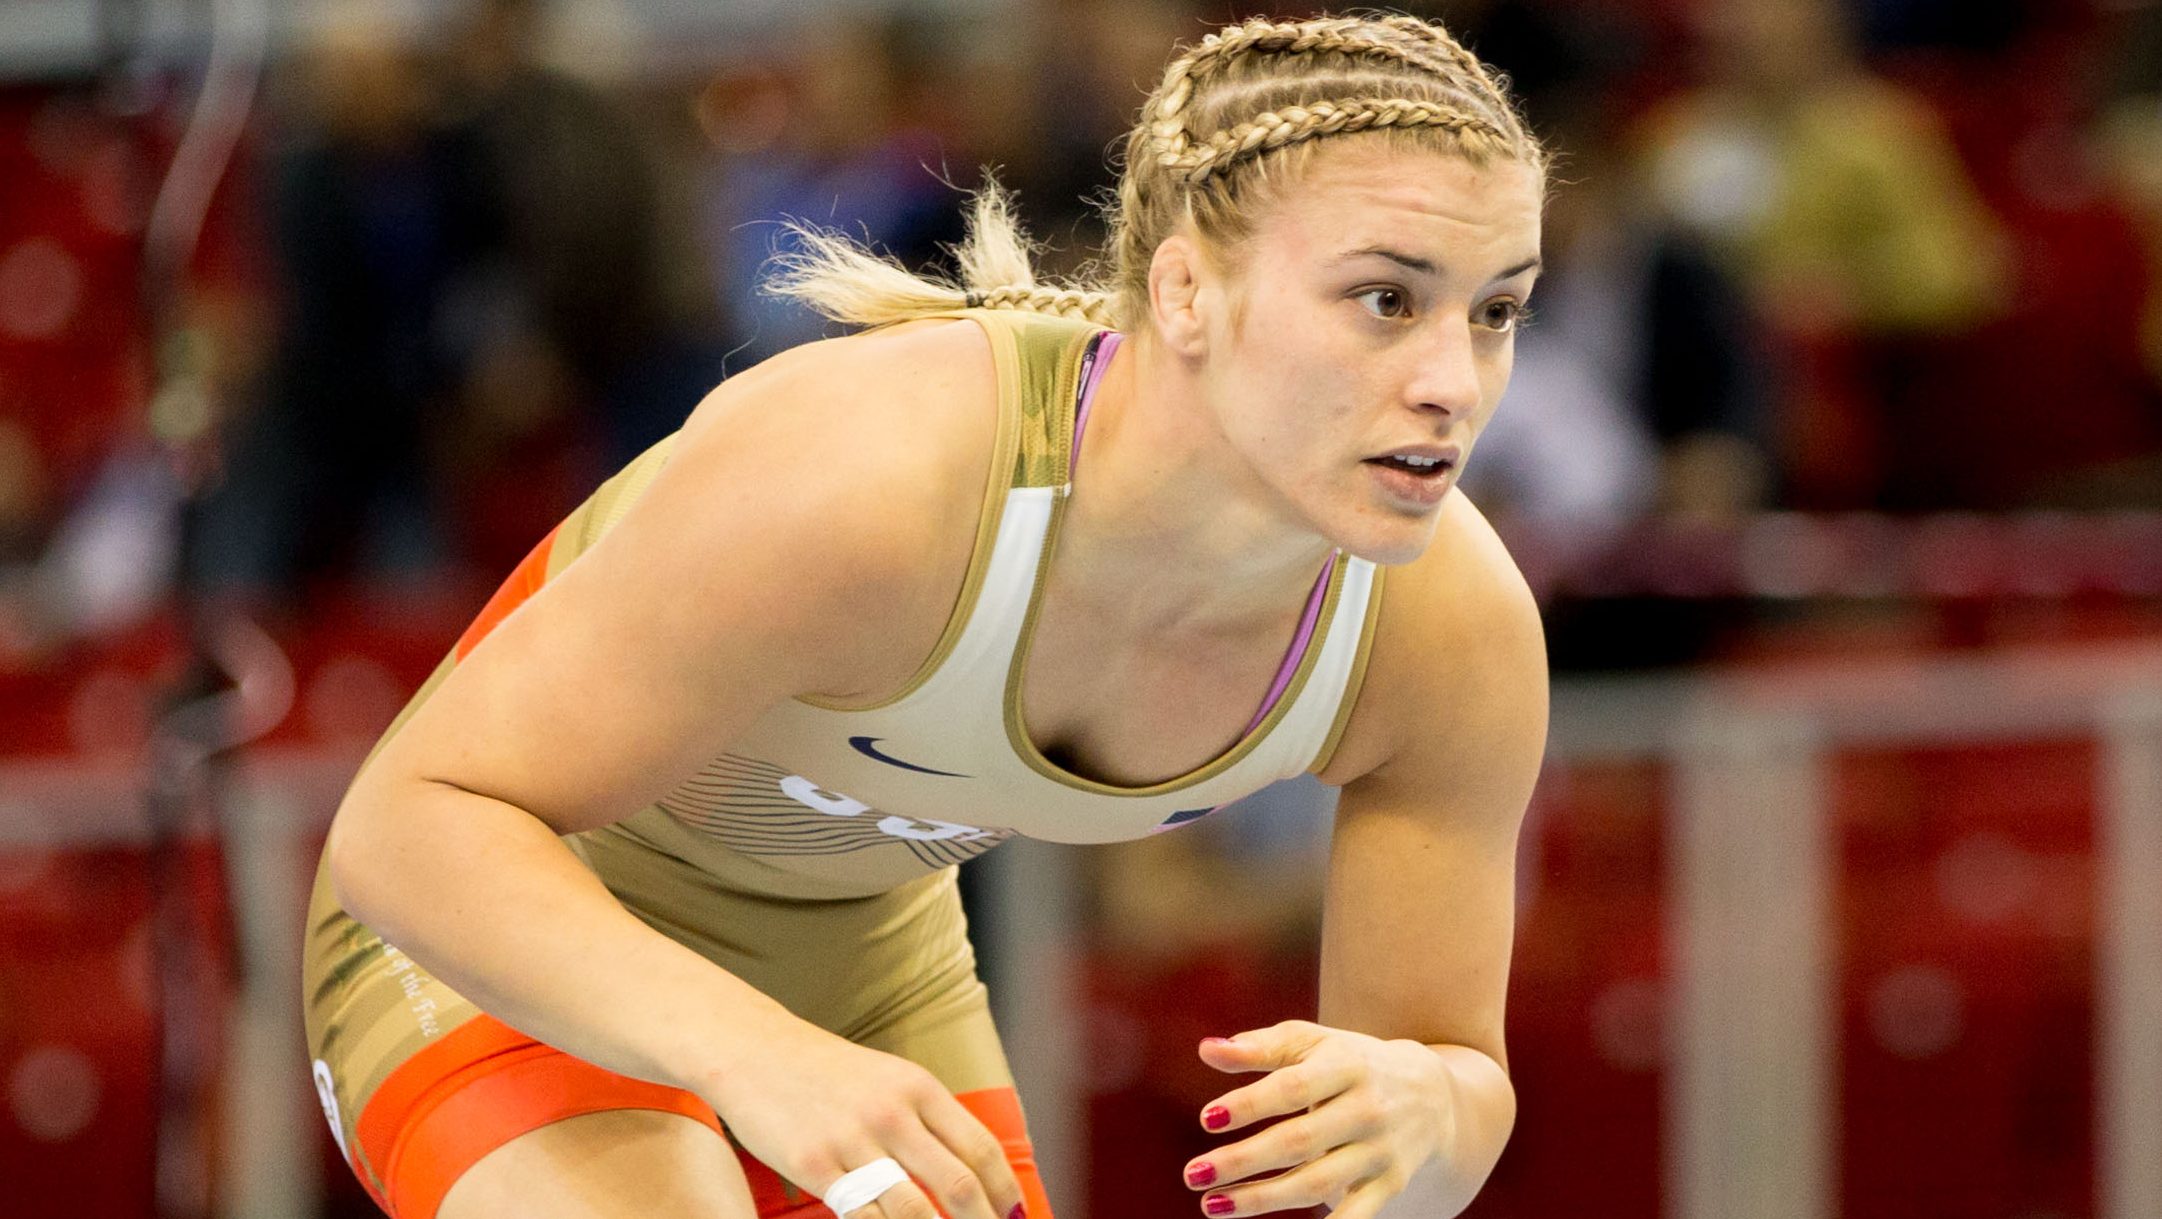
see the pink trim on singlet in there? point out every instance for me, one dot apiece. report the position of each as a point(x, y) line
point(1099, 359)
point(1307, 622)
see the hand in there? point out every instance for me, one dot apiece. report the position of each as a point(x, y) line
point(1375, 1112)
point(814, 1106)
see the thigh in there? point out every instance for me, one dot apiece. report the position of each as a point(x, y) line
point(421, 1088)
point(625, 1162)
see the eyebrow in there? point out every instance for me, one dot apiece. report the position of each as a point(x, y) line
point(1425, 267)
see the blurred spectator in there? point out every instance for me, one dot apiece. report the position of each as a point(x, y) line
point(1838, 200)
point(812, 136)
point(1097, 61)
point(482, 308)
point(377, 220)
point(596, 258)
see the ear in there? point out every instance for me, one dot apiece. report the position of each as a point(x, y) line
point(1178, 279)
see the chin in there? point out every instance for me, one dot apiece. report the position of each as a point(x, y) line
point(1391, 542)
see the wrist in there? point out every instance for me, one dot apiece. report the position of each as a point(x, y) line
point(1480, 1110)
point(721, 1058)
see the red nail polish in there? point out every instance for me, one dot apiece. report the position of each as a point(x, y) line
point(1019, 1211)
point(1218, 1204)
point(1201, 1174)
point(1216, 1117)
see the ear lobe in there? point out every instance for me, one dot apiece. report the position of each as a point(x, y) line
point(1176, 273)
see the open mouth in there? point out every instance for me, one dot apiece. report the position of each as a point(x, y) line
point(1422, 467)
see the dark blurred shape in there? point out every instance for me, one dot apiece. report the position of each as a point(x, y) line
point(481, 308)
point(378, 219)
point(816, 134)
point(1096, 61)
point(2130, 145)
point(1967, 25)
point(589, 241)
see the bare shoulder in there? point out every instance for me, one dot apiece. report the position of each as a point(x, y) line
point(878, 445)
point(898, 415)
point(1458, 666)
point(905, 379)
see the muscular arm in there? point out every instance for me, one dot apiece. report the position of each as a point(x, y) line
point(1419, 913)
point(803, 538)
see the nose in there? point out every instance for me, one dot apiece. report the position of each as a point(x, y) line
point(1446, 380)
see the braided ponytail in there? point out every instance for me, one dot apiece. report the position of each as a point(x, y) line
point(1248, 96)
point(842, 280)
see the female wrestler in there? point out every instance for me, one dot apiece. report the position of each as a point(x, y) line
point(645, 905)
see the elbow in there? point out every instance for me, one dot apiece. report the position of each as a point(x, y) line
point(355, 857)
point(344, 863)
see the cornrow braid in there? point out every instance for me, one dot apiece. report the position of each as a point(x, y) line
point(1252, 89)
point(1276, 128)
point(1348, 36)
point(1453, 54)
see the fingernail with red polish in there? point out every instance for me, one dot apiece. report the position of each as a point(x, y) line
point(1216, 1117)
point(1201, 1174)
point(1019, 1211)
point(1218, 1204)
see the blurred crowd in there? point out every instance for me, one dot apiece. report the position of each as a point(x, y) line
point(1824, 255)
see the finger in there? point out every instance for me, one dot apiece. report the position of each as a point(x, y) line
point(1279, 1045)
point(903, 1201)
point(1332, 1176)
point(1364, 1202)
point(1286, 1144)
point(1284, 1090)
point(973, 1142)
point(942, 1174)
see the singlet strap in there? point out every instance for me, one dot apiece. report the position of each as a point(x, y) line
point(1290, 667)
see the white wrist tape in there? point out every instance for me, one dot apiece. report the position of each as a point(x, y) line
point(861, 1187)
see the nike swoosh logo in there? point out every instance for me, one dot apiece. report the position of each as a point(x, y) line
point(868, 747)
point(1181, 818)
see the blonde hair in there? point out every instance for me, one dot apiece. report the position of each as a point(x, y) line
point(1234, 120)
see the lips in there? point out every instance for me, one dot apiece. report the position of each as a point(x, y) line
point(1416, 475)
point(1430, 460)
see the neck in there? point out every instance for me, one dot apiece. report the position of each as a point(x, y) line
point(1166, 525)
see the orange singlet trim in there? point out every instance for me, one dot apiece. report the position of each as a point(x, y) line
point(484, 1083)
point(523, 581)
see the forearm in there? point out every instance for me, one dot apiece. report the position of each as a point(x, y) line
point(488, 899)
point(1482, 1106)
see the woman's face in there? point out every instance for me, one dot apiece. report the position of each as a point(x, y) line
point(1359, 346)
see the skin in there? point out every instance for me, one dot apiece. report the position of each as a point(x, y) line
point(1224, 460)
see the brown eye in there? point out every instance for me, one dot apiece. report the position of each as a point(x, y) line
point(1502, 316)
point(1385, 302)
